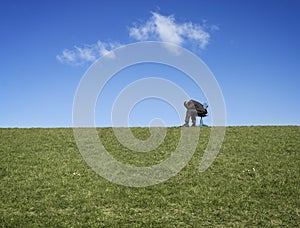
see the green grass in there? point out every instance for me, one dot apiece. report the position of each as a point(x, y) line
point(253, 182)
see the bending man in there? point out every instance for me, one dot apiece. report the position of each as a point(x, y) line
point(194, 109)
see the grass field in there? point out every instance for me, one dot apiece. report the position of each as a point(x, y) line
point(253, 182)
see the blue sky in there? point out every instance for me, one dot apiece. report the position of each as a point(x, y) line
point(252, 48)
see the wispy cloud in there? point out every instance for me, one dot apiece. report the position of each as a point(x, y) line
point(165, 29)
point(156, 28)
point(87, 53)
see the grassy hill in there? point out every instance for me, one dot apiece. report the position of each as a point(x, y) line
point(253, 182)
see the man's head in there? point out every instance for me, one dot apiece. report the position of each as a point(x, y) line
point(186, 103)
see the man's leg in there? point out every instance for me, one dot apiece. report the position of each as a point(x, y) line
point(193, 117)
point(187, 115)
point(187, 118)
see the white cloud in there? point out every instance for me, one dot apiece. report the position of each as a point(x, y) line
point(165, 29)
point(106, 48)
point(156, 28)
point(67, 56)
point(87, 53)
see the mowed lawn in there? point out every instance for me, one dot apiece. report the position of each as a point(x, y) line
point(254, 181)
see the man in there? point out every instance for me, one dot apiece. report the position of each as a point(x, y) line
point(194, 109)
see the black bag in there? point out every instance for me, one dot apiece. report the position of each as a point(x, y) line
point(201, 111)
